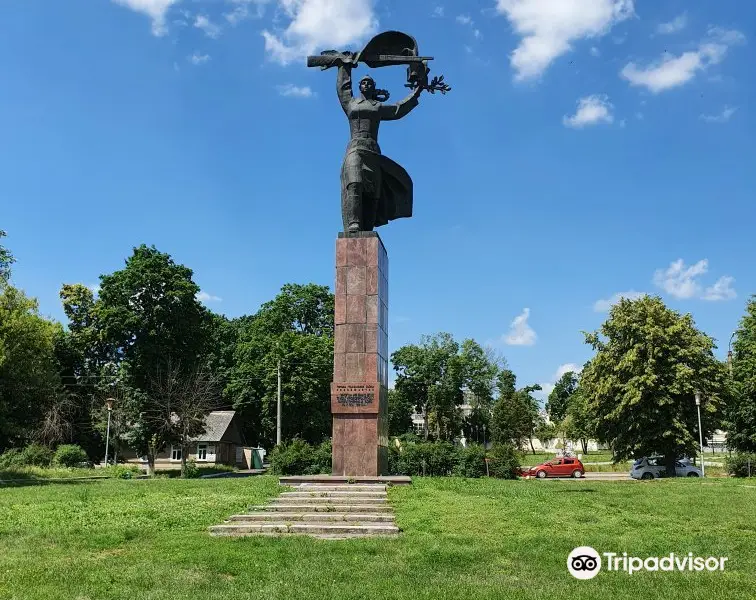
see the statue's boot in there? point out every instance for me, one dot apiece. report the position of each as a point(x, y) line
point(353, 209)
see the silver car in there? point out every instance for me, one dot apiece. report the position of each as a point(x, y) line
point(653, 467)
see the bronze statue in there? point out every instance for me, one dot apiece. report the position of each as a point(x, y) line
point(375, 189)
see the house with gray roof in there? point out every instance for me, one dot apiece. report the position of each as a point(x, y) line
point(220, 444)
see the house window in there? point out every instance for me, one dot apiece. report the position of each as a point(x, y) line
point(175, 453)
point(202, 452)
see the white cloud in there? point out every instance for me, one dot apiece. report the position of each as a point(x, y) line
point(549, 27)
point(211, 29)
point(566, 368)
point(295, 91)
point(679, 23)
point(155, 9)
point(605, 304)
point(721, 290)
point(722, 117)
point(316, 25)
point(438, 12)
point(464, 20)
point(241, 10)
point(595, 51)
point(198, 59)
point(729, 37)
point(680, 281)
point(204, 297)
point(591, 110)
point(520, 332)
point(548, 387)
point(673, 71)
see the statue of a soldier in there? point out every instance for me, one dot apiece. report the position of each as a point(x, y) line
point(375, 189)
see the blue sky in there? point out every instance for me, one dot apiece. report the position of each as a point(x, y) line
point(589, 148)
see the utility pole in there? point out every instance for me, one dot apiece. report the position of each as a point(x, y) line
point(109, 404)
point(700, 433)
point(278, 407)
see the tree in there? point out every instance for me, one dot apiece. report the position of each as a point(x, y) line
point(400, 410)
point(515, 417)
point(437, 373)
point(6, 260)
point(559, 398)
point(181, 402)
point(29, 381)
point(295, 331)
point(741, 414)
point(149, 317)
point(640, 385)
point(577, 425)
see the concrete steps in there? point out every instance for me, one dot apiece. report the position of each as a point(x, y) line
point(323, 508)
point(327, 511)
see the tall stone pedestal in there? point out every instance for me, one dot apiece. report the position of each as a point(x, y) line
point(359, 396)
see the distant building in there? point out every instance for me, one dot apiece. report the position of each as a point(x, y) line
point(220, 444)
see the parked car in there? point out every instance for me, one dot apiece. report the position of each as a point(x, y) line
point(653, 467)
point(557, 467)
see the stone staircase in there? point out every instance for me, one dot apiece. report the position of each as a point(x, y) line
point(324, 511)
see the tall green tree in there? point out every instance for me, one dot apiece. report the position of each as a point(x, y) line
point(295, 331)
point(6, 260)
point(515, 417)
point(640, 385)
point(29, 380)
point(400, 409)
point(559, 398)
point(577, 425)
point(437, 373)
point(741, 414)
point(149, 316)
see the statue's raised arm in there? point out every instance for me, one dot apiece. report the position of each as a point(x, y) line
point(374, 189)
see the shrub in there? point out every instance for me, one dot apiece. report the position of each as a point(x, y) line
point(191, 470)
point(11, 458)
point(504, 461)
point(70, 455)
point(300, 458)
point(424, 458)
point(36, 455)
point(472, 461)
point(322, 458)
point(737, 464)
point(122, 471)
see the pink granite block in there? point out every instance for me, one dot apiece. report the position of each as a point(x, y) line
point(371, 367)
point(341, 281)
point(355, 367)
point(371, 338)
point(373, 251)
point(340, 309)
point(356, 252)
point(355, 337)
point(339, 366)
point(355, 309)
point(356, 280)
point(339, 338)
point(341, 252)
point(372, 280)
point(372, 306)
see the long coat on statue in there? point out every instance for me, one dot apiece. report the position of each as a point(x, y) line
point(385, 184)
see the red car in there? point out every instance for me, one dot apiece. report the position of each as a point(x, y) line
point(557, 467)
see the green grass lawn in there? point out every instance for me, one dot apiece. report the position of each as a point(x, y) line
point(147, 539)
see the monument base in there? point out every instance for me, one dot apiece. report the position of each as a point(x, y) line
point(359, 392)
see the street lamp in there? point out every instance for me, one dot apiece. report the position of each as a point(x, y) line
point(109, 404)
point(484, 436)
point(700, 432)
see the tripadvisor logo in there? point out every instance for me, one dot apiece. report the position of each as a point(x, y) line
point(585, 562)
